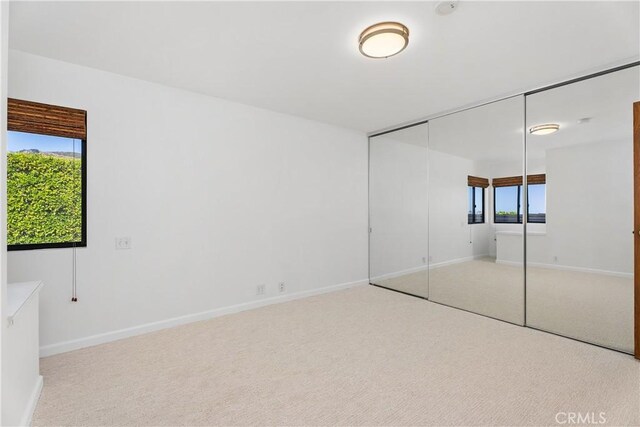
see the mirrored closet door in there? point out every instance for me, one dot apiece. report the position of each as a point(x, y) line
point(398, 210)
point(580, 258)
point(476, 244)
point(452, 207)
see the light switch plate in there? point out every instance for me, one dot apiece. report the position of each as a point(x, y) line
point(123, 242)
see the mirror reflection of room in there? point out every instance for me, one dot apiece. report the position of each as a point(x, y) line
point(398, 225)
point(475, 211)
point(580, 271)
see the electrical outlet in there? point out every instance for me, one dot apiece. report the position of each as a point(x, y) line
point(555, 258)
point(123, 242)
point(260, 290)
point(424, 260)
point(281, 287)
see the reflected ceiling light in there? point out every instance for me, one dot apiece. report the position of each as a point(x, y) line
point(545, 129)
point(384, 39)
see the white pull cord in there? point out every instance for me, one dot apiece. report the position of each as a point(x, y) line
point(74, 295)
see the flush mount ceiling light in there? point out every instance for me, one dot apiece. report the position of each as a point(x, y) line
point(384, 39)
point(545, 129)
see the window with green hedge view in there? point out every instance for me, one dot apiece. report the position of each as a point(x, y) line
point(44, 191)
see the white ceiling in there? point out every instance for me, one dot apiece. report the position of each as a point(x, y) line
point(301, 58)
point(606, 100)
point(493, 132)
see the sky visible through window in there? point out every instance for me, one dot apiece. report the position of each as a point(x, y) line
point(506, 199)
point(19, 141)
point(537, 201)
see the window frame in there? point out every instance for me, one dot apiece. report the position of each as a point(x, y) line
point(83, 238)
point(519, 215)
point(473, 212)
point(495, 216)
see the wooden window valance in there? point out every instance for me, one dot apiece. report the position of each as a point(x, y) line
point(517, 180)
point(540, 178)
point(33, 117)
point(474, 181)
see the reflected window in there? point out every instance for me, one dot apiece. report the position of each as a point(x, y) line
point(475, 213)
point(537, 212)
point(507, 205)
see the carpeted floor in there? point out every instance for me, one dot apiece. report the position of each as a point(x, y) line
point(592, 307)
point(416, 283)
point(362, 356)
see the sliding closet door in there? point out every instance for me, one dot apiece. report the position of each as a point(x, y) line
point(476, 243)
point(580, 263)
point(398, 242)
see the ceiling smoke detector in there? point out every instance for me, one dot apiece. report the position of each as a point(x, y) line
point(446, 7)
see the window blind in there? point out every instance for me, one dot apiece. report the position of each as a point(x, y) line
point(474, 181)
point(34, 117)
point(517, 180)
point(537, 179)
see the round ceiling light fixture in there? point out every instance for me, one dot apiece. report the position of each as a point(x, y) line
point(545, 129)
point(384, 39)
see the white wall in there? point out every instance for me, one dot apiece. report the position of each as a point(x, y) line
point(451, 237)
point(590, 206)
point(589, 209)
point(398, 206)
point(217, 198)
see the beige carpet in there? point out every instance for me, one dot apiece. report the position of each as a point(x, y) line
point(363, 356)
point(481, 286)
point(416, 283)
point(592, 307)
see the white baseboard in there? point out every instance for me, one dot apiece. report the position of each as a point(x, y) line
point(568, 268)
point(65, 346)
point(33, 401)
